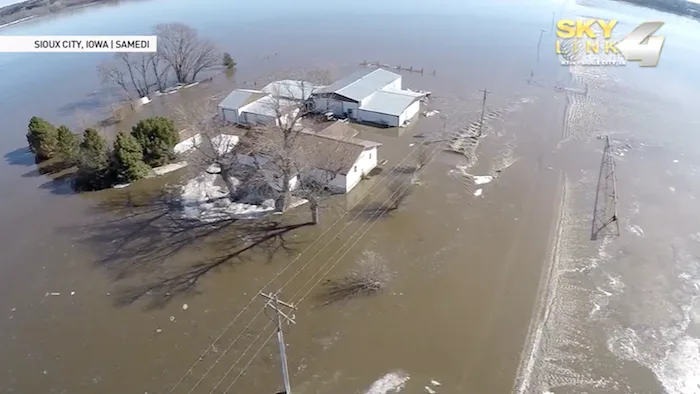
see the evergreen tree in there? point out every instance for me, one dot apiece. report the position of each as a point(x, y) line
point(42, 138)
point(67, 145)
point(157, 136)
point(229, 63)
point(93, 162)
point(128, 155)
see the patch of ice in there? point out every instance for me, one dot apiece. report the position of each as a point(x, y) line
point(478, 192)
point(172, 167)
point(482, 179)
point(391, 382)
point(635, 229)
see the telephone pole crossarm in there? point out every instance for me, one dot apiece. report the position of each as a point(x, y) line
point(276, 305)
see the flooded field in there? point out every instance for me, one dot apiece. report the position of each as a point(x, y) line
point(491, 282)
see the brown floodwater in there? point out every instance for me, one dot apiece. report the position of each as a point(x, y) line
point(112, 292)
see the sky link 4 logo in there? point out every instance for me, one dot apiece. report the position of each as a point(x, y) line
point(590, 42)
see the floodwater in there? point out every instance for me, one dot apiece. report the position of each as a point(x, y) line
point(109, 292)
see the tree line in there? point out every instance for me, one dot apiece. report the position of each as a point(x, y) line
point(99, 165)
point(182, 56)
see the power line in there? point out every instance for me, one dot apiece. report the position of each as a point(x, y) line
point(230, 324)
point(287, 283)
point(433, 155)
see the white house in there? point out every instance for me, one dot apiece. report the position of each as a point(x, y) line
point(340, 162)
point(331, 158)
point(372, 96)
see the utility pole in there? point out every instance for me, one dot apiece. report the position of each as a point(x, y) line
point(483, 110)
point(275, 304)
point(539, 43)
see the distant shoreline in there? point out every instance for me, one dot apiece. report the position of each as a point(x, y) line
point(30, 9)
point(689, 9)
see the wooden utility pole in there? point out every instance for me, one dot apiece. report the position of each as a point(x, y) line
point(275, 304)
point(539, 43)
point(483, 110)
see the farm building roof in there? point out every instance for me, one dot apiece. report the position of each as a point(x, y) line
point(240, 97)
point(361, 84)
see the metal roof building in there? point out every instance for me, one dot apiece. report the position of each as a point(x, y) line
point(389, 102)
point(291, 89)
point(371, 96)
point(361, 84)
point(241, 97)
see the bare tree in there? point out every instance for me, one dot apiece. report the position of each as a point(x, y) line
point(135, 74)
point(184, 51)
point(422, 156)
point(293, 150)
point(216, 148)
point(370, 276)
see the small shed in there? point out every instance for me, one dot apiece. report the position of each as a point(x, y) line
point(231, 107)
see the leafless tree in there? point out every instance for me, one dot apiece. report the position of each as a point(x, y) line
point(216, 148)
point(136, 74)
point(294, 150)
point(370, 276)
point(184, 51)
point(422, 156)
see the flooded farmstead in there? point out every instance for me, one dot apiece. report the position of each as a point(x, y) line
point(451, 210)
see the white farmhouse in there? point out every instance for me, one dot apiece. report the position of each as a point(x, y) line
point(371, 96)
point(331, 157)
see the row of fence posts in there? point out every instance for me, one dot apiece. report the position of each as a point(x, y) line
point(412, 69)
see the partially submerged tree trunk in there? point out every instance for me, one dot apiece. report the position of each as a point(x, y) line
point(313, 205)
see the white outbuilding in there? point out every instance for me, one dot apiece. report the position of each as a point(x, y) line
point(371, 96)
point(256, 107)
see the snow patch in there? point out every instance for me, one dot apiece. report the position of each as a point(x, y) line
point(224, 143)
point(162, 170)
point(188, 144)
point(478, 192)
point(203, 200)
point(391, 382)
point(482, 179)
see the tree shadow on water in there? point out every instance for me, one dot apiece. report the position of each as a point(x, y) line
point(154, 255)
point(20, 157)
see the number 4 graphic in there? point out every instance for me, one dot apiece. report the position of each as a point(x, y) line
point(634, 47)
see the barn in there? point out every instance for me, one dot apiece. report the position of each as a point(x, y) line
point(369, 96)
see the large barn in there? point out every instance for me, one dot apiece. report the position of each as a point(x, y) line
point(371, 96)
